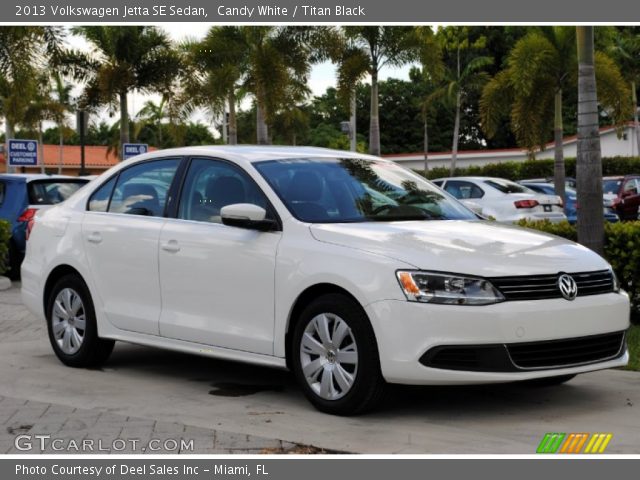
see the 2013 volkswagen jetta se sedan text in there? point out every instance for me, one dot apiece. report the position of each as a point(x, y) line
point(347, 269)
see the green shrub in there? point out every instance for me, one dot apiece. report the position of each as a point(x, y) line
point(5, 235)
point(538, 168)
point(621, 249)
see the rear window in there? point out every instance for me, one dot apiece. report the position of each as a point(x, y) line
point(611, 185)
point(505, 186)
point(50, 192)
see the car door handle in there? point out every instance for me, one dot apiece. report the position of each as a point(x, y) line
point(171, 246)
point(94, 237)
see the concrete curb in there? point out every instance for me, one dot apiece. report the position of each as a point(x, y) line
point(5, 283)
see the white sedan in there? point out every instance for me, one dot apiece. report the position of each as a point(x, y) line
point(345, 268)
point(503, 200)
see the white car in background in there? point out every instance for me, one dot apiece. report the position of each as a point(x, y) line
point(504, 200)
point(345, 268)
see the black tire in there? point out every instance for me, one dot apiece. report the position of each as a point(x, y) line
point(549, 381)
point(15, 261)
point(94, 351)
point(368, 386)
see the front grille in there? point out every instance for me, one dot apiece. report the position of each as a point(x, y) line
point(561, 353)
point(538, 287)
point(513, 357)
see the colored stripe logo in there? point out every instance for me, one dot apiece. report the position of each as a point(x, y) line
point(574, 443)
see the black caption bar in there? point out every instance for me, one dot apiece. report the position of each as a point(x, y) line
point(316, 468)
point(346, 11)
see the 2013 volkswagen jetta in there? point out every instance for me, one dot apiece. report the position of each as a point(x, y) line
point(347, 269)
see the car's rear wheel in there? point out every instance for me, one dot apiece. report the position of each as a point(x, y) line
point(71, 322)
point(14, 261)
point(335, 356)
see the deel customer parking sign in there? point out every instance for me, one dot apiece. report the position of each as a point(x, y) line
point(23, 153)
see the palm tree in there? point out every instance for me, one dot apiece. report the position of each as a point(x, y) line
point(589, 162)
point(24, 51)
point(220, 62)
point(123, 59)
point(432, 72)
point(64, 103)
point(463, 75)
point(539, 68)
point(154, 114)
point(372, 48)
point(626, 52)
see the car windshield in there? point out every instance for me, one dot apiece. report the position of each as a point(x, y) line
point(611, 186)
point(334, 190)
point(50, 192)
point(506, 186)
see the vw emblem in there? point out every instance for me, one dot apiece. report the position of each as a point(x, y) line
point(568, 287)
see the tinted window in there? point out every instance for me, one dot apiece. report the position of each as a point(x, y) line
point(142, 189)
point(3, 189)
point(506, 186)
point(355, 190)
point(99, 201)
point(463, 190)
point(211, 185)
point(611, 186)
point(630, 186)
point(45, 192)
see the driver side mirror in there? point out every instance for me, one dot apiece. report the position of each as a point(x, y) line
point(247, 215)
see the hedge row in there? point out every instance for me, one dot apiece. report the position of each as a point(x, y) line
point(622, 251)
point(538, 168)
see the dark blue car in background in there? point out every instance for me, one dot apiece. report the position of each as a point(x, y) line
point(571, 201)
point(21, 196)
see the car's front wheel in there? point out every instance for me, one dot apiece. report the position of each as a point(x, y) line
point(335, 356)
point(71, 322)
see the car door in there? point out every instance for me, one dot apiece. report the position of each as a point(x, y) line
point(217, 281)
point(120, 232)
point(630, 199)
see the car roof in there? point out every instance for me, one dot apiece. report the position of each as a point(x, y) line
point(254, 153)
point(477, 179)
point(30, 177)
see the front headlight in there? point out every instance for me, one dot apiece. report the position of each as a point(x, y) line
point(616, 283)
point(447, 289)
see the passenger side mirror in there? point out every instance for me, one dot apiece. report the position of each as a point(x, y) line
point(247, 215)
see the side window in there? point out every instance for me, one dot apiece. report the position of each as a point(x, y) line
point(631, 187)
point(463, 190)
point(99, 201)
point(211, 185)
point(142, 189)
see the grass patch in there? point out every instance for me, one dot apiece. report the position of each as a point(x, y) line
point(633, 338)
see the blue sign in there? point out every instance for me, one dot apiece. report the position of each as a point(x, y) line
point(132, 149)
point(23, 153)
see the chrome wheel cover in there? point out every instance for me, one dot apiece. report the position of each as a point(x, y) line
point(68, 321)
point(329, 356)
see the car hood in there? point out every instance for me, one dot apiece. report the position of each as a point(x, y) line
point(473, 247)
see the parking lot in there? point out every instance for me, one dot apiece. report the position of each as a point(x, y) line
point(224, 407)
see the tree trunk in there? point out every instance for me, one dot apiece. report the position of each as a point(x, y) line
point(8, 135)
point(60, 148)
point(456, 135)
point(41, 147)
point(426, 147)
point(352, 121)
point(558, 156)
point(262, 130)
point(124, 123)
point(233, 122)
point(636, 125)
point(374, 125)
point(589, 162)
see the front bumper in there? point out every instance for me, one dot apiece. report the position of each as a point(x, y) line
point(406, 331)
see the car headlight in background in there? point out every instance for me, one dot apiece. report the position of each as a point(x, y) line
point(447, 289)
